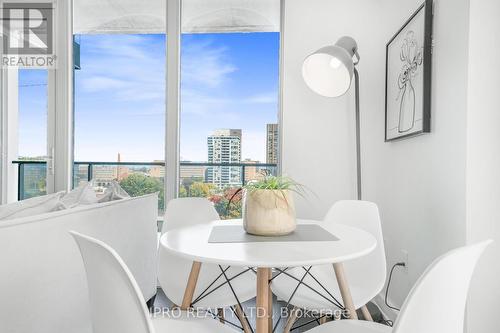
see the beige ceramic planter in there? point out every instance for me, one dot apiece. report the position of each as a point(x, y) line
point(268, 212)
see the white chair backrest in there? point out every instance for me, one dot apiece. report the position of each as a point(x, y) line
point(182, 212)
point(173, 270)
point(436, 304)
point(116, 302)
point(363, 215)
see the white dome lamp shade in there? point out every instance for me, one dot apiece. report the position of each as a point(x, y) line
point(329, 70)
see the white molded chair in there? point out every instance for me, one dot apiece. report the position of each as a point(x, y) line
point(173, 271)
point(436, 304)
point(116, 302)
point(366, 275)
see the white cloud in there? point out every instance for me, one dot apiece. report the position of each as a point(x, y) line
point(113, 46)
point(265, 98)
point(200, 103)
point(126, 66)
point(204, 64)
point(100, 83)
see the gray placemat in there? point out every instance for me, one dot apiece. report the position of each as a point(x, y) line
point(303, 233)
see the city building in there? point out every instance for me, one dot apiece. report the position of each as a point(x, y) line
point(104, 174)
point(252, 172)
point(194, 172)
point(272, 144)
point(80, 175)
point(224, 147)
point(122, 172)
point(157, 171)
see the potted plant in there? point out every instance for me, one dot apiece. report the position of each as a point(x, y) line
point(268, 206)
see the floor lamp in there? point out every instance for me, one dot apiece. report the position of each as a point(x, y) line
point(328, 72)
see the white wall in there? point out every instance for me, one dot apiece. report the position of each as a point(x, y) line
point(418, 183)
point(436, 191)
point(483, 161)
point(318, 147)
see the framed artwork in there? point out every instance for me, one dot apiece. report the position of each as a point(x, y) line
point(408, 77)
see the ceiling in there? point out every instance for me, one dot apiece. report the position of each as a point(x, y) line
point(198, 16)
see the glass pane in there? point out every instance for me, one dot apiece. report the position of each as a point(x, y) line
point(120, 101)
point(136, 179)
point(229, 99)
point(32, 132)
point(32, 177)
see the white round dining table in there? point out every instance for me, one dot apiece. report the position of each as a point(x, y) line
point(192, 243)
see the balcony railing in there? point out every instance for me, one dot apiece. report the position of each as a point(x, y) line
point(216, 181)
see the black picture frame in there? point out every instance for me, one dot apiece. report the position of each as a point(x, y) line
point(427, 8)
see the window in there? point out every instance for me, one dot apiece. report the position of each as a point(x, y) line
point(229, 103)
point(119, 112)
point(229, 92)
point(32, 132)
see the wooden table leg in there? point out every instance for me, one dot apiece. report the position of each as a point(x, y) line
point(263, 309)
point(366, 313)
point(345, 292)
point(191, 285)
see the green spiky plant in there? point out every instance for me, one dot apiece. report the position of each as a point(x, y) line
point(270, 182)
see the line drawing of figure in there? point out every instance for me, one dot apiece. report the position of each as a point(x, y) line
point(411, 56)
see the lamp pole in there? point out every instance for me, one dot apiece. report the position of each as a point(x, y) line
point(328, 72)
point(358, 134)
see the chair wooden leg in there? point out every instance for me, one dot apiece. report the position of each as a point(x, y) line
point(191, 285)
point(292, 318)
point(270, 300)
point(241, 317)
point(220, 314)
point(345, 292)
point(263, 309)
point(366, 313)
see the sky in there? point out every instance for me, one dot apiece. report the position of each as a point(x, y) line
point(32, 119)
point(227, 81)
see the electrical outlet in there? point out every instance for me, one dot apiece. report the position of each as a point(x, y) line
point(404, 258)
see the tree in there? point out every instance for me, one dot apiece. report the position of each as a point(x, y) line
point(182, 192)
point(139, 184)
point(225, 209)
point(220, 197)
point(199, 189)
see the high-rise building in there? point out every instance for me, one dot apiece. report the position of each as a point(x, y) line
point(272, 144)
point(224, 146)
